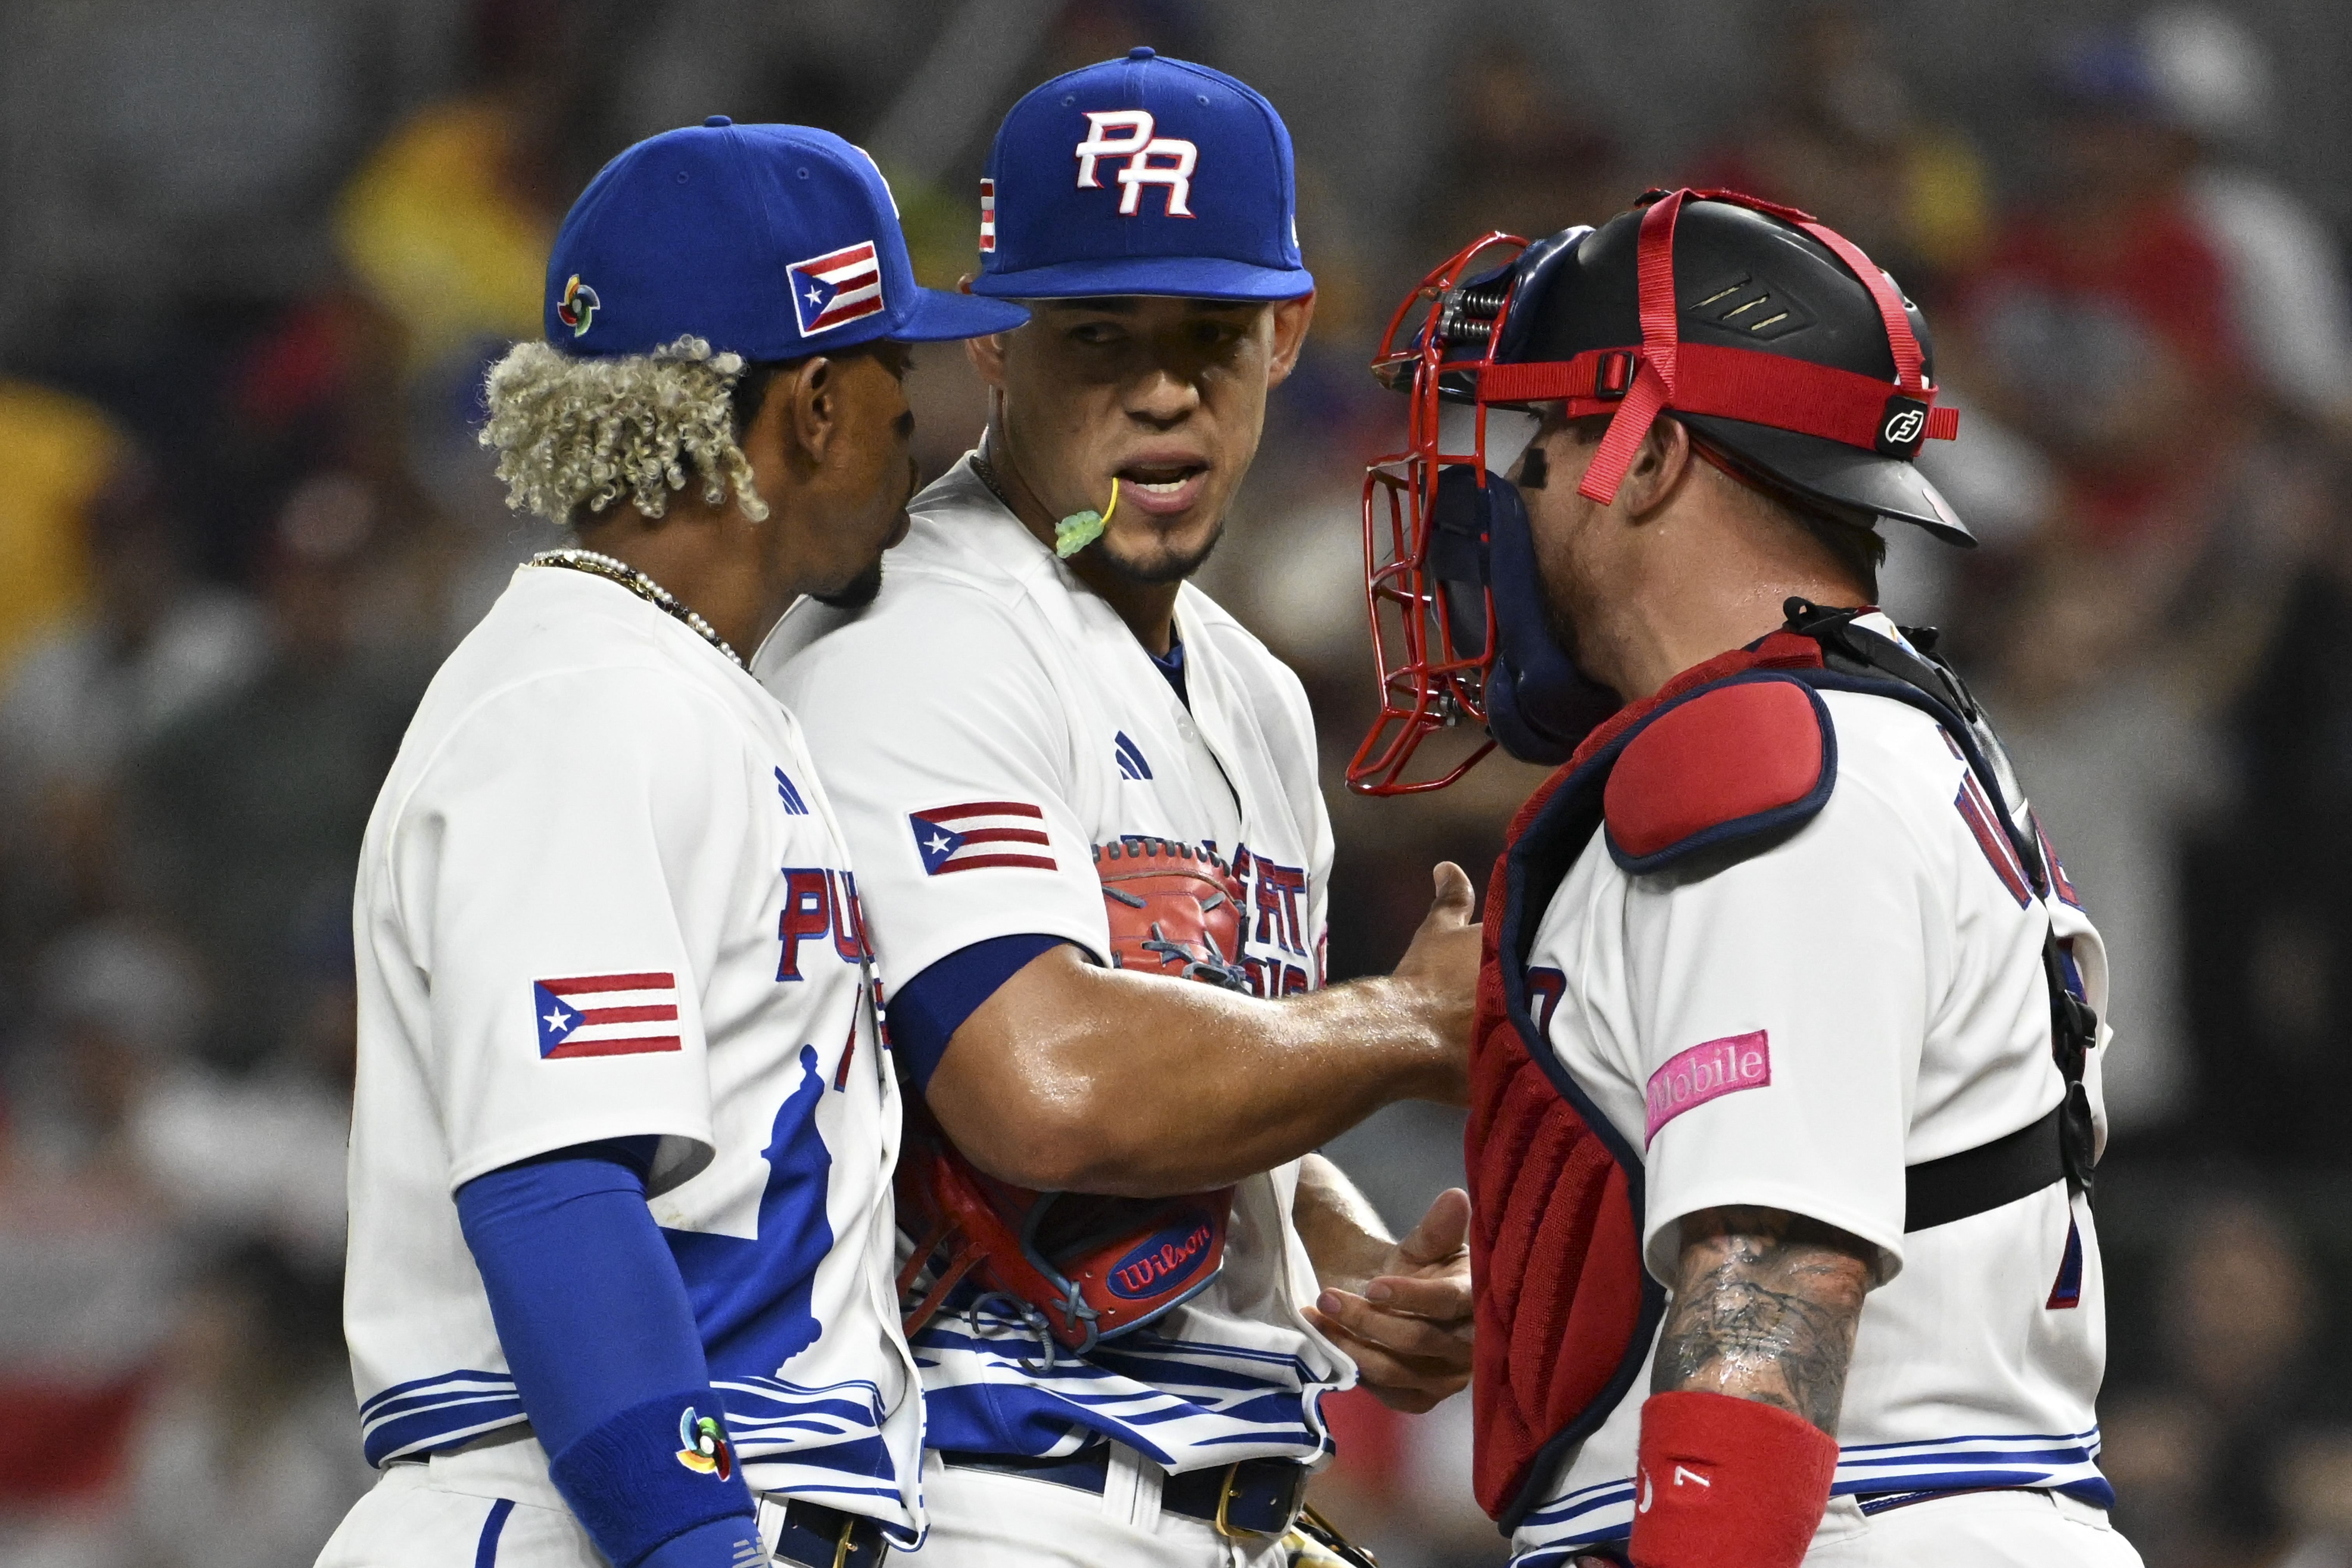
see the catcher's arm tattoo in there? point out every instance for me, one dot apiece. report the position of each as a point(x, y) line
point(1765, 1304)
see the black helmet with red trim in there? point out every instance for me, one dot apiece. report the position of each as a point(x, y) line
point(1796, 363)
point(1752, 283)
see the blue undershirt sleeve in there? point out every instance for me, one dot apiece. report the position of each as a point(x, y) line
point(926, 1011)
point(595, 1321)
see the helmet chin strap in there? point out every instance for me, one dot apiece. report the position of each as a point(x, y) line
point(1652, 389)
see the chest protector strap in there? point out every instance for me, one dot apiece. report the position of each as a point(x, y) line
point(1565, 1312)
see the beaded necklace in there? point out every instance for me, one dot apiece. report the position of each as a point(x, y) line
point(987, 473)
point(643, 586)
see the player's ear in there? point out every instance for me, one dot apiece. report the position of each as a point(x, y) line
point(1291, 317)
point(987, 355)
point(1665, 456)
point(807, 407)
point(766, 429)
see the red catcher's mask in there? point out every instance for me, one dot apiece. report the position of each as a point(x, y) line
point(1824, 396)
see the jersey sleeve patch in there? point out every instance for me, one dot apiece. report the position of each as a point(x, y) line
point(980, 834)
point(1707, 1072)
point(1733, 762)
point(606, 1015)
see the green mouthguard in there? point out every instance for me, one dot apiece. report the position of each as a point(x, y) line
point(1080, 528)
point(1075, 532)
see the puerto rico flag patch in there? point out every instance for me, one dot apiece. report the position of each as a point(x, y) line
point(836, 288)
point(982, 834)
point(606, 1015)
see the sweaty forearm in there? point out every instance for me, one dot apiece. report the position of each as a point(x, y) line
point(1345, 1236)
point(1084, 1079)
point(1765, 1307)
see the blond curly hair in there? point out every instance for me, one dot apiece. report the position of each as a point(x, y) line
point(573, 433)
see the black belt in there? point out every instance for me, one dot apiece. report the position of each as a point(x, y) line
point(816, 1536)
point(1985, 1177)
point(1251, 1497)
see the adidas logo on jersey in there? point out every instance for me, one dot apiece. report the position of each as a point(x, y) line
point(1129, 757)
point(793, 804)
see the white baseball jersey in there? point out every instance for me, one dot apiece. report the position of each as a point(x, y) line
point(983, 725)
point(1792, 1031)
point(602, 895)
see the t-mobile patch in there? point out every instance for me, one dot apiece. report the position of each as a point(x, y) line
point(1706, 1072)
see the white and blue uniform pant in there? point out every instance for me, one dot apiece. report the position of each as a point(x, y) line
point(487, 1506)
point(993, 1519)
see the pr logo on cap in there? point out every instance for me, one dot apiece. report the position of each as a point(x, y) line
point(836, 288)
point(987, 214)
point(1140, 176)
point(577, 309)
point(1139, 146)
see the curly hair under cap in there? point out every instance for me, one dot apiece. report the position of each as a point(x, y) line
point(582, 432)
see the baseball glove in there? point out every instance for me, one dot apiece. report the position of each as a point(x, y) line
point(1077, 1267)
point(1174, 909)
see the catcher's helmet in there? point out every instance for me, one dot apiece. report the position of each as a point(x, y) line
point(1793, 360)
point(1759, 281)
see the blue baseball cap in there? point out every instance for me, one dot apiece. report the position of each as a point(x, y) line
point(773, 241)
point(1140, 176)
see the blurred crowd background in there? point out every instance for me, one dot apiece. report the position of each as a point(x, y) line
point(257, 253)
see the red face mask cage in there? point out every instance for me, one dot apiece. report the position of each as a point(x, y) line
point(1425, 685)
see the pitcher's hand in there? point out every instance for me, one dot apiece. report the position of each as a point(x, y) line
point(1409, 1331)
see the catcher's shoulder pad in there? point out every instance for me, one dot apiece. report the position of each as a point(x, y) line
point(1731, 764)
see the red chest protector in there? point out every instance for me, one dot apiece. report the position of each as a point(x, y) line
point(1726, 757)
point(1565, 1311)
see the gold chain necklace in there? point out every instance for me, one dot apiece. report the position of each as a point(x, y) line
point(643, 586)
point(987, 473)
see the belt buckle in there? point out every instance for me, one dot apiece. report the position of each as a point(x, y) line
point(1229, 1489)
point(841, 1547)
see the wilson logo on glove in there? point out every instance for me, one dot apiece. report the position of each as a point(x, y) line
point(1164, 1260)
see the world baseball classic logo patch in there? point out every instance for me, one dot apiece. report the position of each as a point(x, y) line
point(606, 1015)
point(980, 834)
point(702, 1445)
point(1692, 1077)
point(577, 308)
